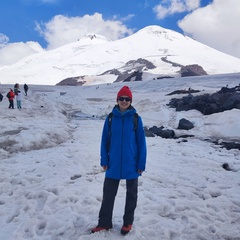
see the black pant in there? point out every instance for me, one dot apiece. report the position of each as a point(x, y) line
point(11, 105)
point(110, 188)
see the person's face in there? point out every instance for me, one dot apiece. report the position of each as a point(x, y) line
point(124, 102)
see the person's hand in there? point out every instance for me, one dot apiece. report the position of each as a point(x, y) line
point(104, 168)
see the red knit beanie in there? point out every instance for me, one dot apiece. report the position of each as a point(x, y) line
point(125, 91)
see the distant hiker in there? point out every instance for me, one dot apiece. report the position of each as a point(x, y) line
point(19, 99)
point(16, 88)
point(123, 156)
point(1, 97)
point(25, 88)
point(10, 97)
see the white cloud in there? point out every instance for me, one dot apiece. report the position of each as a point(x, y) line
point(216, 25)
point(12, 52)
point(170, 7)
point(3, 40)
point(128, 17)
point(61, 30)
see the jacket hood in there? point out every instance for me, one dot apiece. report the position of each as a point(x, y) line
point(130, 111)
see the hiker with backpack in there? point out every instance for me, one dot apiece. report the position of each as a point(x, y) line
point(10, 96)
point(25, 88)
point(123, 156)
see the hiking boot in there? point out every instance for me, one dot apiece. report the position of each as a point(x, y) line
point(98, 229)
point(126, 229)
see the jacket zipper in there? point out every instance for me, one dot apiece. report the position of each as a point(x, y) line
point(122, 147)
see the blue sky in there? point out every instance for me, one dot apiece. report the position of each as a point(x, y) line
point(53, 23)
point(18, 18)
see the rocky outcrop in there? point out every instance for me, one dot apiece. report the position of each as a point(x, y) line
point(132, 70)
point(112, 71)
point(225, 99)
point(192, 70)
point(189, 91)
point(128, 77)
point(71, 81)
point(164, 59)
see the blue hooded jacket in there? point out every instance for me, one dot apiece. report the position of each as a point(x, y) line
point(124, 152)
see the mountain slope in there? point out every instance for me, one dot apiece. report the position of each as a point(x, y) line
point(96, 55)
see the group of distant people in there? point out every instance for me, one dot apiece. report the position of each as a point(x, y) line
point(16, 92)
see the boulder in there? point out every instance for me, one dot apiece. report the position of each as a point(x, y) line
point(148, 133)
point(185, 124)
point(161, 132)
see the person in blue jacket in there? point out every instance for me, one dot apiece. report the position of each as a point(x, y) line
point(123, 156)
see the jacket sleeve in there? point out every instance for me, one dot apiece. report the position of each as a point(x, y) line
point(141, 144)
point(104, 144)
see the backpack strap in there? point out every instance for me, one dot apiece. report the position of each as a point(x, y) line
point(110, 117)
point(135, 122)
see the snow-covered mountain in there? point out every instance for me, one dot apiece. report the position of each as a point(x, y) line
point(154, 51)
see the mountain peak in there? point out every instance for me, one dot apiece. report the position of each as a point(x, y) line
point(93, 55)
point(92, 38)
point(154, 28)
point(160, 32)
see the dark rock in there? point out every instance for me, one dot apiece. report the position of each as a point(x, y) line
point(135, 76)
point(185, 124)
point(189, 91)
point(161, 132)
point(208, 104)
point(231, 145)
point(148, 133)
point(156, 130)
point(134, 70)
point(140, 62)
point(229, 90)
point(231, 101)
point(72, 81)
point(192, 70)
point(167, 133)
point(112, 71)
point(226, 167)
point(184, 140)
point(162, 77)
point(185, 136)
